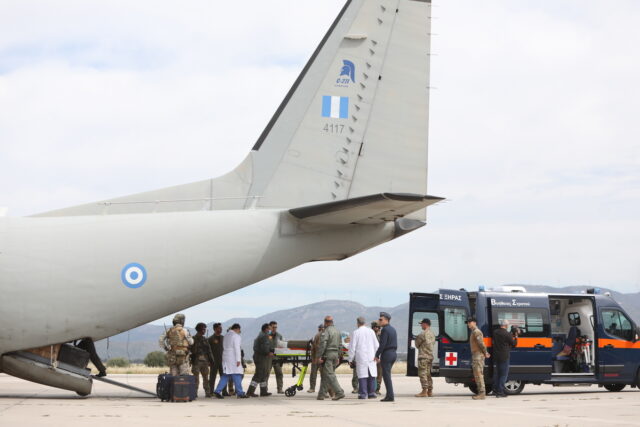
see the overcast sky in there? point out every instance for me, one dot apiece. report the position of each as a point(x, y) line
point(534, 139)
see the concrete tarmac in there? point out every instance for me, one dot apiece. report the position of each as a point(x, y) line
point(27, 404)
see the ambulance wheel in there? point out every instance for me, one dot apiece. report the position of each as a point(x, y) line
point(513, 387)
point(614, 387)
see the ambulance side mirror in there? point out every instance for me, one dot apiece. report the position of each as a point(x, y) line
point(637, 337)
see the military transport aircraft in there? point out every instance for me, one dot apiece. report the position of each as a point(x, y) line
point(340, 168)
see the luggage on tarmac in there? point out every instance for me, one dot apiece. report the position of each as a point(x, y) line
point(183, 388)
point(176, 389)
point(163, 387)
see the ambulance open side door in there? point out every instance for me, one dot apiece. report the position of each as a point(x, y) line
point(423, 306)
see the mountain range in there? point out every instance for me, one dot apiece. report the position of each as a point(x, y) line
point(301, 323)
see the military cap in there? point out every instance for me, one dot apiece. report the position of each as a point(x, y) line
point(385, 315)
point(374, 324)
point(427, 321)
point(470, 319)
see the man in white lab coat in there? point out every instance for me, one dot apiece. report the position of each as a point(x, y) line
point(232, 368)
point(362, 353)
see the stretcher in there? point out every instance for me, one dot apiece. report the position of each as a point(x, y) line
point(298, 354)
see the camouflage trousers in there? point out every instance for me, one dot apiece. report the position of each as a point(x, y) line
point(424, 372)
point(477, 364)
point(178, 365)
point(201, 367)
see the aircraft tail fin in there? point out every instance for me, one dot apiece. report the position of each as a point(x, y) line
point(355, 122)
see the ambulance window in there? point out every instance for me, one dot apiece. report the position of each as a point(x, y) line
point(535, 323)
point(617, 324)
point(417, 318)
point(454, 323)
point(531, 322)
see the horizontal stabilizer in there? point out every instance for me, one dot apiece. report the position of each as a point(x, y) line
point(364, 210)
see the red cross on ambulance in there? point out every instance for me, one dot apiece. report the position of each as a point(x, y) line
point(451, 359)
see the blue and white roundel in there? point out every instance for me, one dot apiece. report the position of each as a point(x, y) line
point(133, 275)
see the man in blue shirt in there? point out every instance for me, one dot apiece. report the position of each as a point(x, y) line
point(386, 353)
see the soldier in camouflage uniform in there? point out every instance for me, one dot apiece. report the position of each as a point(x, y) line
point(201, 358)
point(425, 342)
point(176, 342)
point(329, 357)
point(478, 354)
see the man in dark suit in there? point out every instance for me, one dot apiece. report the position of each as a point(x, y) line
point(386, 353)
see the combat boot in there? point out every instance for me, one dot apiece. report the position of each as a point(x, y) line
point(479, 396)
point(430, 392)
point(423, 393)
point(251, 391)
point(264, 392)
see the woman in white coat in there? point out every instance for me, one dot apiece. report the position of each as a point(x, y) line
point(362, 352)
point(232, 368)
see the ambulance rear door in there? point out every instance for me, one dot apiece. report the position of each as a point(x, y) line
point(422, 306)
point(454, 351)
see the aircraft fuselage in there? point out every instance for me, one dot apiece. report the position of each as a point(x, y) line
point(187, 258)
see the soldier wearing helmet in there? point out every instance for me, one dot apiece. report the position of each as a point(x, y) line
point(176, 342)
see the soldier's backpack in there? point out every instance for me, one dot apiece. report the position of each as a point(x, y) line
point(163, 387)
point(183, 388)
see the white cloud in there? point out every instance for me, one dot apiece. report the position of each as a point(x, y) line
point(534, 135)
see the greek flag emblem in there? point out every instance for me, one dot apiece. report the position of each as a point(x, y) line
point(336, 107)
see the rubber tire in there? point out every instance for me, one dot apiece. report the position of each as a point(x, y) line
point(514, 391)
point(82, 394)
point(614, 387)
point(474, 388)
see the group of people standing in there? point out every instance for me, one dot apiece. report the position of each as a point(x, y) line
point(503, 342)
point(372, 354)
point(222, 355)
point(369, 353)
